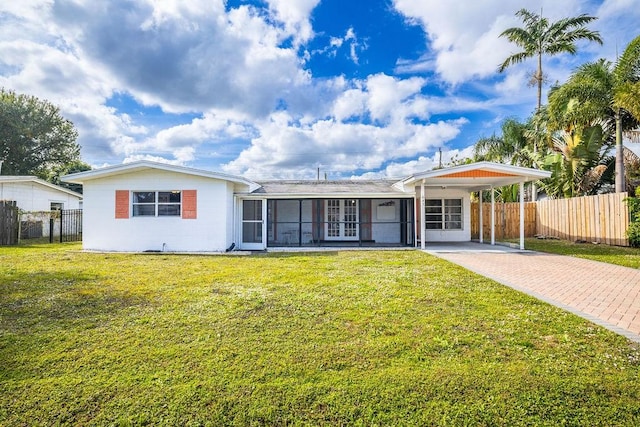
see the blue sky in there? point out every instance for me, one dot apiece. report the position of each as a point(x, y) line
point(279, 88)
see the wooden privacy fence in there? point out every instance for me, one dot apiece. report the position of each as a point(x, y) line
point(507, 220)
point(603, 218)
point(8, 223)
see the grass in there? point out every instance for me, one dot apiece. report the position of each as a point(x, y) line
point(331, 338)
point(624, 256)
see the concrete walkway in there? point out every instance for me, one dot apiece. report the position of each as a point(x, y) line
point(606, 294)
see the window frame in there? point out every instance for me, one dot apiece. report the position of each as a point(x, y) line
point(442, 216)
point(158, 205)
point(56, 206)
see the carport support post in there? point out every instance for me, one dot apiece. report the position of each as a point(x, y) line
point(480, 216)
point(423, 226)
point(522, 216)
point(493, 217)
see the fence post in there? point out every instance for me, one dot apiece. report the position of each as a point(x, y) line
point(51, 226)
point(9, 220)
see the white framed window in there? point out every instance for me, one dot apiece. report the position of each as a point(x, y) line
point(57, 206)
point(443, 214)
point(156, 203)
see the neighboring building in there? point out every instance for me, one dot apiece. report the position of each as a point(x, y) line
point(32, 194)
point(144, 206)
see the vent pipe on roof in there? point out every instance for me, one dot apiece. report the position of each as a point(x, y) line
point(318, 179)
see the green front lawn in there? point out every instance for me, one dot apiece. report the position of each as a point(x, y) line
point(331, 338)
point(626, 257)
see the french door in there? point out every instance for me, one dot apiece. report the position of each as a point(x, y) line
point(341, 220)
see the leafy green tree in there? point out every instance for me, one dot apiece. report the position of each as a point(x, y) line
point(58, 172)
point(34, 137)
point(540, 37)
point(604, 91)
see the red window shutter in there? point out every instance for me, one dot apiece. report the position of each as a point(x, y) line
point(122, 204)
point(189, 204)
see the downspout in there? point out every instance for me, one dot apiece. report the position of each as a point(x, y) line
point(415, 219)
point(481, 233)
point(493, 217)
point(423, 226)
point(236, 221)
point(522, 215)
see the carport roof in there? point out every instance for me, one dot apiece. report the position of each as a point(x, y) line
point(474, 176)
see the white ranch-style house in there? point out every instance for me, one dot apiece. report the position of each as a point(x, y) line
point(33, 194)
point(148, 206)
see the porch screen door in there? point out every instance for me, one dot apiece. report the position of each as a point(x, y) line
point(341, 220)
point(252, 224)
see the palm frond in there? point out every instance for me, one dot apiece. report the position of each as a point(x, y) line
point(628, 65)
point(632, 135)
point(516, 58)
point(627, 96)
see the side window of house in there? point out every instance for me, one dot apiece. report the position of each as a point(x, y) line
point(57, 206)
point(433, 214)
point(156, 203)
point(443, 214)
point(453, 214)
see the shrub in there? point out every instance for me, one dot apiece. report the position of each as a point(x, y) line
point(633, 233)
point(634, 208)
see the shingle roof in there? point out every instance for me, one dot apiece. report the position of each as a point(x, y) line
point(312, 187)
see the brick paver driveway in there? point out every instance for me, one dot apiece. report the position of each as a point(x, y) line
point(606, 294)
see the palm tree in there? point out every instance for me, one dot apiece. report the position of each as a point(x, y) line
point(578, 161)
point(626, 97)
point(511, 147)
point(539, 37)
point(602, 91)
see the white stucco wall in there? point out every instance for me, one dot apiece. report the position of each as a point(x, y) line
point(385, 228)
point(231, 216)
point(211, 231)
point(34, 197)
point(463, 235)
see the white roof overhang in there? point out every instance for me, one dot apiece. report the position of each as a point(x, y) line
point(36, 180)
point(473, 177)
point(82, 177)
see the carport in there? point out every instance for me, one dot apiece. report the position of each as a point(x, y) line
point(470, 178)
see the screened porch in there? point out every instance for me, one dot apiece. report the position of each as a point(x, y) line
point(340, 222)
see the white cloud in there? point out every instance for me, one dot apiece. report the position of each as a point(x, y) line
point(335, 43)
point(287, 150)
point(295, 16)
point(615, 8)
point(387, 93)
point(423, 163)
point(181, 56)
point(464, 35)
point(350, 104)
point(149, 157)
